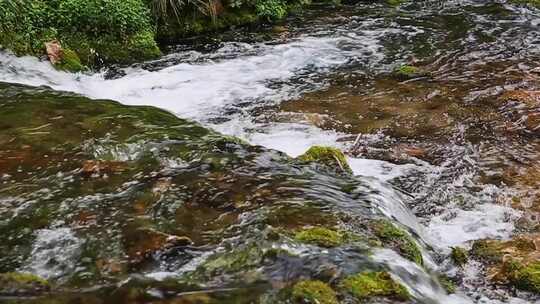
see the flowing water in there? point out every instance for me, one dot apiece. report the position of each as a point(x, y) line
point(437, 149)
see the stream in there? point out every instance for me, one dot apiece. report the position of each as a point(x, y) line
point(437, 149)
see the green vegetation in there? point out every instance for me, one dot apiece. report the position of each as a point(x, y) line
point(447, 283)
point(487, 250)
point(17, 283)
point(524, 277)
point(101, 27)
point(70, 62)
point(374, 284)
point(396, 238)
point(409, 72)
point(122, 31)
point(327, 156)
point(313, 292)
point(320, 236)
point(459, 256)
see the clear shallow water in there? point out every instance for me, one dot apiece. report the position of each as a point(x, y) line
point(327, 82)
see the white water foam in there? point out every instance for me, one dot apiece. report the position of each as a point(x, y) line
point(54, 254)
point(418, 282)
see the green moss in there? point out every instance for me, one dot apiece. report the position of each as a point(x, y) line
point(459, 256)
point(393, 2)
point(313, 292)
point(70, 62)
point(374, 284)
point(448, 284)
point(535, 3)
point(120, 30)
point(327, 156)
point(17, 283)
point(394, 237)
point(107, 49)
point(409, 72)
point(232, 261)
point(524, 277)
point(320, 236)
point(487, 250)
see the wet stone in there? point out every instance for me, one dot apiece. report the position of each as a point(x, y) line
point(136, 192)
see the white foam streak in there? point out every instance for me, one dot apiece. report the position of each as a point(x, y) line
point(54, 254)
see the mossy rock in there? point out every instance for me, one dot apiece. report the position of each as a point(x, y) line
point(313, 292)
point(367, 285)
point(396, 238)
point(524, 277)
point(70, 62)
point(320, 236)
point(459, 256)
point(447, 283)
point(108, 49)
point(487, 250)
point(535, 3)
point(405, 72)
point(328, 156)
point(17, 283)
point(492, 251)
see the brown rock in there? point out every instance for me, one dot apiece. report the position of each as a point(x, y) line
point(54, 51)
point(529, 98)
point(532, 123)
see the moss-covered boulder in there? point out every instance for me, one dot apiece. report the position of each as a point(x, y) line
point(17, 283)
point(320, 236)
point(367, 285)
point(493, 251)
point(393, 237)
point(330, 157)
point(524, 276)
point(70, 62)
point(514, 262)
point(313, 292)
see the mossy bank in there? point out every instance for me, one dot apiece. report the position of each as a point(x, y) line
point(97, 32)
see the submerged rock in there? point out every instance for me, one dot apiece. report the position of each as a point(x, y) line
point(522, 110)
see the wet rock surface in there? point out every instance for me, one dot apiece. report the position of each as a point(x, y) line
point(138, 205)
